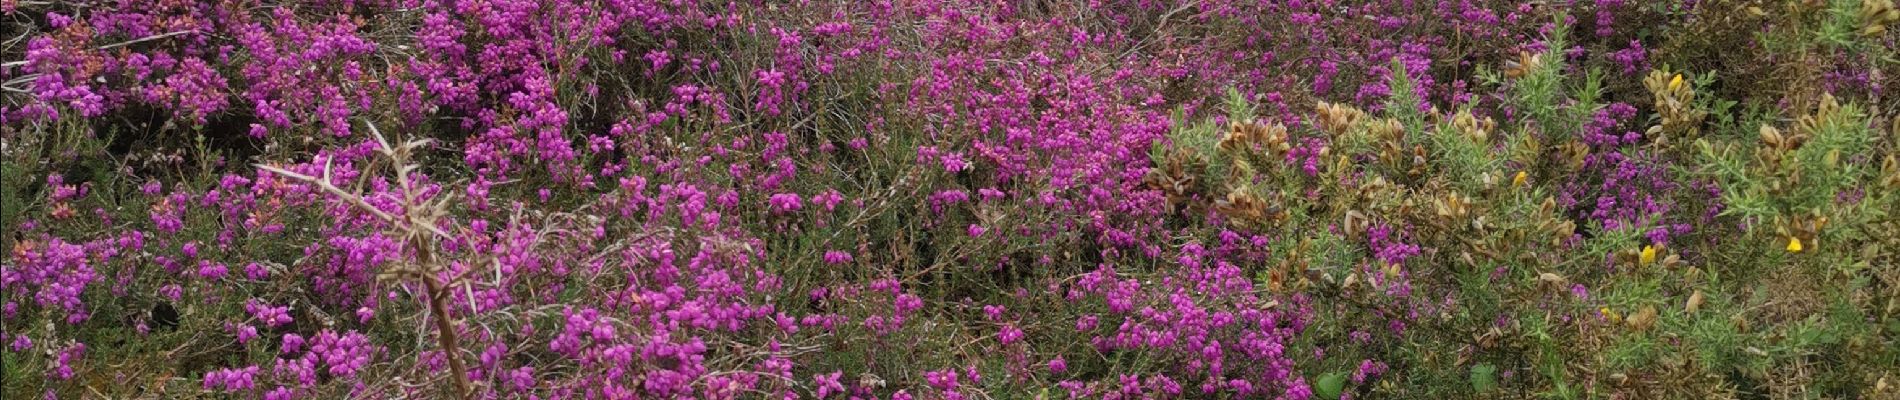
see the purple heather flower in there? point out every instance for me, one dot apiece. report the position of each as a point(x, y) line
point(785, 203)
point(836, 257)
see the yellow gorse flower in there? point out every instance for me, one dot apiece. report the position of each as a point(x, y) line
point(1648, 256)
point(1675, 83)
point(1794, 245)
point(1518, 180)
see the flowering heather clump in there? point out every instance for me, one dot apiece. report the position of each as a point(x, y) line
point(949, 199)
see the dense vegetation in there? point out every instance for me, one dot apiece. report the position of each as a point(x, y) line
point(950, 199)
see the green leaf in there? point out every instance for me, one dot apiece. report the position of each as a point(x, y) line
point(1330, 386)
point(1484, 377)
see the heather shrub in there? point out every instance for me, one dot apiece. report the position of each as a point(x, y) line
point(949, 199)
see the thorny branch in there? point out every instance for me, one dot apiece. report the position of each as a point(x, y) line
point(417, 226)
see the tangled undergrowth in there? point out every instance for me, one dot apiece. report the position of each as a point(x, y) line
point(949, 199)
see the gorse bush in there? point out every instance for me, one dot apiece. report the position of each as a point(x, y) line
point(950, 199)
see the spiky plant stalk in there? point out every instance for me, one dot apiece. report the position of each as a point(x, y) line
point(417, 228)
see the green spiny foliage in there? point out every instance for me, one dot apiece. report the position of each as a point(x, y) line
point(1654, 323)
point(1808, 182)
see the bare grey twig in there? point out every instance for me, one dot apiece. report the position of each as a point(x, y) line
point(417, 227)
